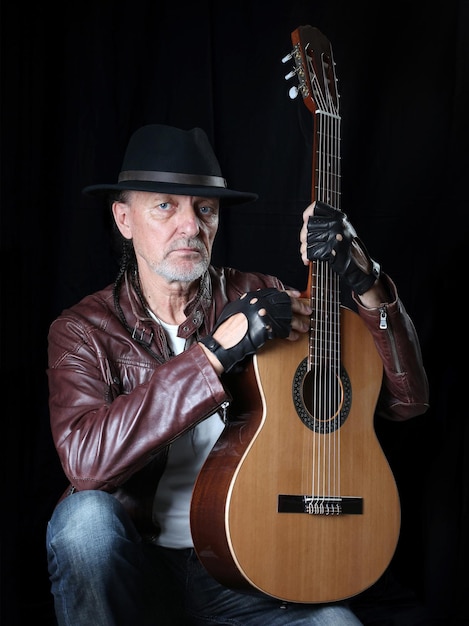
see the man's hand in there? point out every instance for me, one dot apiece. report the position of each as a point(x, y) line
point(327, 235)
point(247, 323)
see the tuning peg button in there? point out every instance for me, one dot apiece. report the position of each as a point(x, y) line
point(293, 93)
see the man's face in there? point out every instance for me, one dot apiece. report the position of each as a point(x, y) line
point(172, 235)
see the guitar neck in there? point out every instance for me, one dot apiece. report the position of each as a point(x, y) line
point(326, 158)
point(315, 69)
point(317, 83)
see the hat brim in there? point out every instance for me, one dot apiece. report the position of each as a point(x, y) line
point(227, 196)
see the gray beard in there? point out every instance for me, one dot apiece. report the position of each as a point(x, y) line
point(172, 275)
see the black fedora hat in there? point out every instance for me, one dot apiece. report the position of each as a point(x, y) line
point(165, 159)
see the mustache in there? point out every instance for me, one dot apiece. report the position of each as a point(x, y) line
point(193, 244)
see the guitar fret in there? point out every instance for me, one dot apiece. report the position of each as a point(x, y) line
point(325, 324)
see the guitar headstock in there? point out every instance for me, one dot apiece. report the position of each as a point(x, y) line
point(315, 70)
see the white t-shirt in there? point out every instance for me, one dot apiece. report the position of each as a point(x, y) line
point(171, 506)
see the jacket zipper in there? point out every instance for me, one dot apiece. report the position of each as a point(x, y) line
point(383, 324)
point(224, 412)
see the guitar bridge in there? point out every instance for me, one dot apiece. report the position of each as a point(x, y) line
point(320, 505)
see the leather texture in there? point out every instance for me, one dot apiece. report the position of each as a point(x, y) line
point(332, 238)
point(114, 409)
point(269, 315)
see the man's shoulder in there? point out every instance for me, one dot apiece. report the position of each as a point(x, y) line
point(94, 305)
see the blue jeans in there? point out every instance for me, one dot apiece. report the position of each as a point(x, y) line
point(103, 573)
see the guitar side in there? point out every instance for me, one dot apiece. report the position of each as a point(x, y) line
point(297, 557)
point(215, 479)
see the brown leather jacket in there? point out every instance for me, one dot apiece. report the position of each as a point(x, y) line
point(115, 408)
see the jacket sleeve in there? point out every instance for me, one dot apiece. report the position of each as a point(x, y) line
point(404, 392)
point(103, 433)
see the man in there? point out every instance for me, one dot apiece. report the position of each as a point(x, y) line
point(137, 394)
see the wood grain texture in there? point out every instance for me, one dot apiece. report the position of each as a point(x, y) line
point(267, 450)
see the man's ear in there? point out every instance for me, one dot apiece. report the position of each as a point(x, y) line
point(120, 211)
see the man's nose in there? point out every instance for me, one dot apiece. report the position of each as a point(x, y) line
point(188, 219)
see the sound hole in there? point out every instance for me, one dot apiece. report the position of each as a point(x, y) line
point(321, 399)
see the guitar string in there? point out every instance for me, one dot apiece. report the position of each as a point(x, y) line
point(327, 358)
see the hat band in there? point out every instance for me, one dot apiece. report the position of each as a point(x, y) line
point(173, 177)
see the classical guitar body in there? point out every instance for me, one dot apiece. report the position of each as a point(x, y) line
point(297, 498)
point(241, 534)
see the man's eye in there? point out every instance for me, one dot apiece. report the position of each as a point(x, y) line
point(164, 205)
point(206, 210)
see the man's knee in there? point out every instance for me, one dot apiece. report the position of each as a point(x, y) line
point(91, 522)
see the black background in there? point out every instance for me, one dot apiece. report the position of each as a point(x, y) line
point(78, 79)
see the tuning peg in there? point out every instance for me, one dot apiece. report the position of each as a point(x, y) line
point(293, 92)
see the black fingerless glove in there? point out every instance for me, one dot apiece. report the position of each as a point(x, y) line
point(348, 257)
point(275, 323)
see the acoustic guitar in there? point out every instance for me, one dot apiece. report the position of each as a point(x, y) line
point(297, 499)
